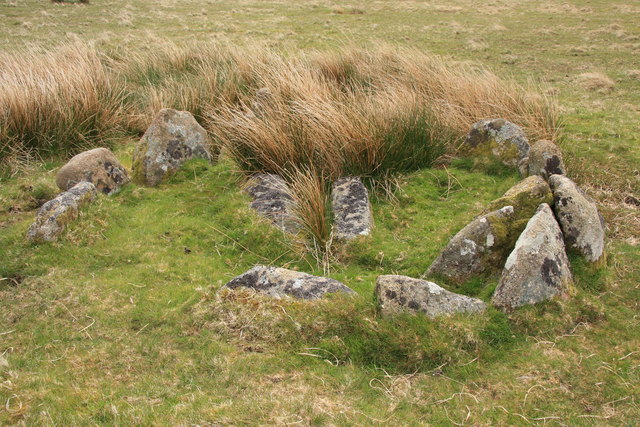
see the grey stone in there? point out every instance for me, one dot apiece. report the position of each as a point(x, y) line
point(581, 223)
point(545, 159)
point(501, 139)
point(98, 166)
point(525, 197)
point(401, 293)
point(351, 209)
point(53, 216)
point(281, 283)
point(538, 268)
point(272, 199)
point(480, 247)
point(172, 138)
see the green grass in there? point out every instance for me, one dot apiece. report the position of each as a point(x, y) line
point(118, 324)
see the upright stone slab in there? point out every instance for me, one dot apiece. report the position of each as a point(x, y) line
point(172, 138)
point(545, 159)
point(582, 224)
point(98, 166)
point(499, 138)
point(272, 199)
point(397, 294)
point(352, 215)
point(53, 216)
point(538, 268)
point(479, 248)
point(281, 283)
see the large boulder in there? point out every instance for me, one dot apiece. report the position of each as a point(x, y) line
point(545, 159)
point(538, 268)
point(501, 139)
point(53, 216)
point(479, 248)
point(272, 199)
point(172, 138)
point(525, 197)
point(352, 215)
point(582, 224)
point(397, 294)
point(98, 166)
point(281, 283)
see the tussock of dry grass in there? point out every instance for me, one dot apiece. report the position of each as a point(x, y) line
point(597, 82)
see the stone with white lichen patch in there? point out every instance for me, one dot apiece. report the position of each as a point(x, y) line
point(282, 283)
point(271, 198)
point(538, 267)
point(480, 247)
point(351, 209)
point(397, 294)
point(501, 139)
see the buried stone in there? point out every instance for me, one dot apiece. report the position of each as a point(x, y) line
point(538, 267)
point(581, 223)
point(98, 166)
point(272, 199)
point(397, 294)
point(172, 138)
point(282, 283)
point(53, 216)
point(480, 247)
point(351, 209)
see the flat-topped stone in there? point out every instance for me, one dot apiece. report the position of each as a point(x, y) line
point(581, 223)
point(53, 216)
point(272, 199)
point(172, 138)
point(538, 267)
point(352, 215)
point(282, 283)
point(397, 294)
point(98, 166)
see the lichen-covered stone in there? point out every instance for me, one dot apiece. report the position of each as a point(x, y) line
point(538, 268)
point(545, 159)
point(53, 216)
point(351, 209)
point(281, 283)
point(480, 247)
point(581, 223)
point(501, 139)
point(172, 138)
point(272, 199)
point(98, 166)
point(525, 197)
point(397, 294)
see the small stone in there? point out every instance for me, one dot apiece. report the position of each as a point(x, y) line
point(282, 283)
point(479, 248)
point(538, 267)
point(172, 138)
point(272, 199)
point(501, 139)
point(581, 223)
point(98, 166)
point(545, 159)
point(53, 216)
point(397, 294)
point(352, 215)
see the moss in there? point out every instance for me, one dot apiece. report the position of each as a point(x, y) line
point(525, 197)
point(137, 163)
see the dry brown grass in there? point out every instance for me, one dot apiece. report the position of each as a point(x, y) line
point(597, 82)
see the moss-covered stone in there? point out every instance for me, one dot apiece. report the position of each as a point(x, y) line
point(525, 197)
point(500, 139)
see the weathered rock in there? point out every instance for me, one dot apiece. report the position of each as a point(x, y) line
point(501, 139)
point(53, 216)
point(172, 138)
point(538, 268)
point(401, 293)
point(545, 159)
point(281, 283)
point(525, 197)
point(581, 223)
point(272, 199)
point(98, 166)
point(351, 209)
point(480, 247)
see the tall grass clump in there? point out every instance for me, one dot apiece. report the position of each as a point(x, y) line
point(56, 103)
